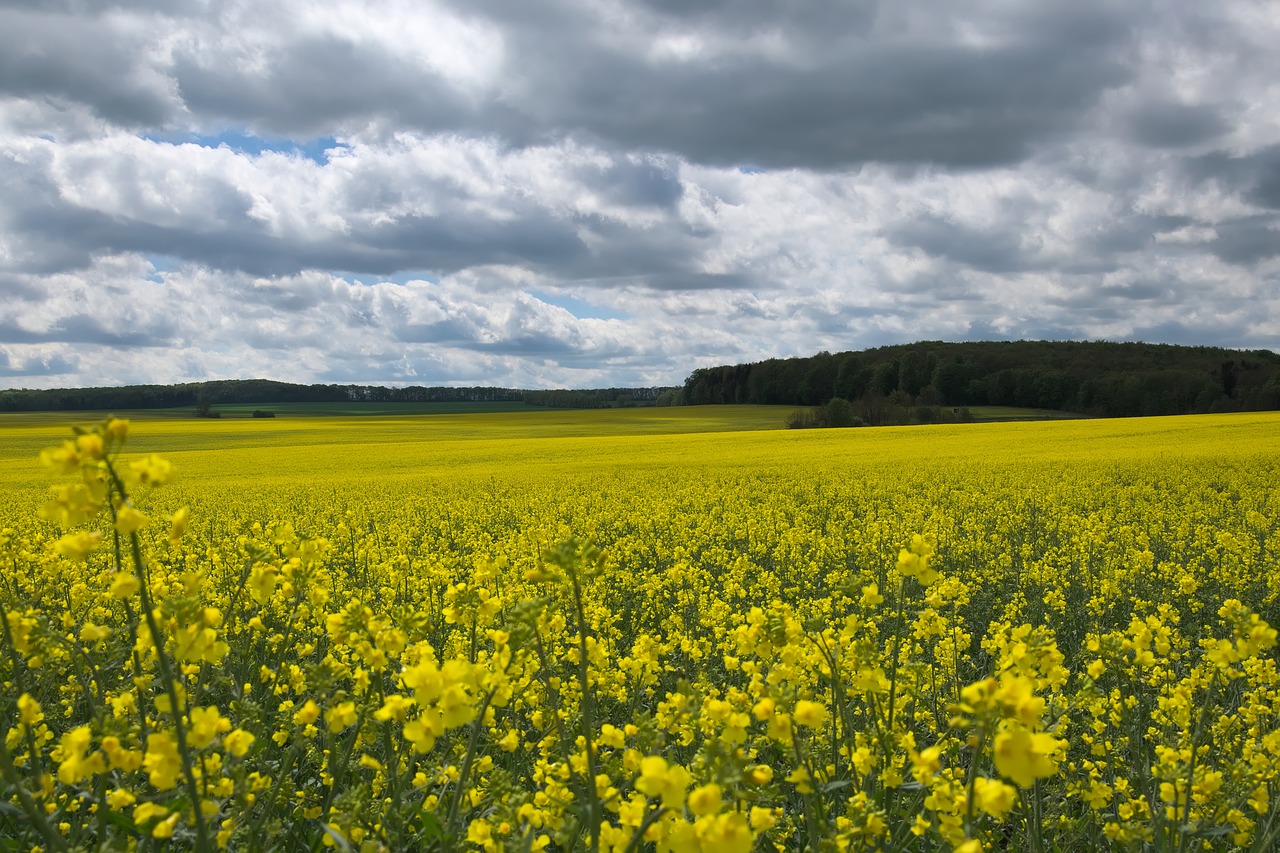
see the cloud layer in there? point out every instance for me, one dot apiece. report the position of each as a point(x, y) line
point(560, 193)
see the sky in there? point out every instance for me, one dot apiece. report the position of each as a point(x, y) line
point(592, 193)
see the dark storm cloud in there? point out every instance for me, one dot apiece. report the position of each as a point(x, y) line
point(1198, 333)
point(50, 366)
point(1255, 175)
point(844, 84)
point(696, 281)
point(641, 184)
point(996, 250)
point(1170, 125)
point(448, 244)
point(320, 83)
point(61, 57)
point(84, 329)
point(1247, 241)
point(842, 93)
point(20, 289)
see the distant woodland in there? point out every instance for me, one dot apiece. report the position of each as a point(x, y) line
point(932, 380)
point(203, 396)
point(921, 382)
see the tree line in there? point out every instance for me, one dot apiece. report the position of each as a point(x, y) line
point(204, 395)
point(1098, 378)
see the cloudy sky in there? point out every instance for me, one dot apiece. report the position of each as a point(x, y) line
point(551, 193)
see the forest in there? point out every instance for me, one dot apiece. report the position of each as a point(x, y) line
point(929, 380)
point(203, 396)
point(1096, 378)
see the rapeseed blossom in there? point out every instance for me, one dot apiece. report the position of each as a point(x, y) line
point(1062, 653)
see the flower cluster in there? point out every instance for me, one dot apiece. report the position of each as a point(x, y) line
point(753, 659)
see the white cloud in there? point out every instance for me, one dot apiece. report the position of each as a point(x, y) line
point(551, 193)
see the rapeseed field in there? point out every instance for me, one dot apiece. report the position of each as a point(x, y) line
point(569, 631)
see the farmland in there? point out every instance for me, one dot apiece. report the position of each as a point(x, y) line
point(677, 628)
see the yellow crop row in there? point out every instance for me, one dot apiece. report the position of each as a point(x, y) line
point(523, 632)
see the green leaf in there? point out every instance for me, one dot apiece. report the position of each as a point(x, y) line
point(431, 828)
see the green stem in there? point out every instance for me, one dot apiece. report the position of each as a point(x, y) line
point(588, 718)
point(162, 664)
point(1184, 833)
point(255, 834)
point(170, 687)
point(34, 813)
point(1033, 819)
point(638, 836)
point(465, 773)
point(19, 681)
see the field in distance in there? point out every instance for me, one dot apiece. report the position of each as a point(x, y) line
point(306, 441)
point(317, 448)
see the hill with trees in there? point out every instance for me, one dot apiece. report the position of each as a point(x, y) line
point(202, 396)
point(933, 380)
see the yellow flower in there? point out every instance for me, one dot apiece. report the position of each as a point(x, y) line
point(120, 758)
point(810, 714)
point(423, 731)
point(147, 812)
point(116, 430)
point(76, 546)
point(914, 560)
point(426, 682)
point(726, 833)
point(341, 716)
point(152, 471)
point(124, 585)
point(394, 707)
point(64, 459)
point(1015, 695)
point(262, 583)
point(74, 762)
point(89, 446)
point(479, 832)
point(993, 796)
point(119, 799)
point(658, 779)
point(206, 724)
point(91, 633)
point(1025, 756)
point(307, 714)
point(705, 799)
point(801, 779)
point(164, 829)
point(129, 520)
point(238, 742)
point(178, 525)
point(75, 504)
point(762, 818)
point(162, 762)
point(926, 763)
point(29, 712)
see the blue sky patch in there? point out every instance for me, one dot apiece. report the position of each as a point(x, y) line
point(243, 142)
point(578, 308)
